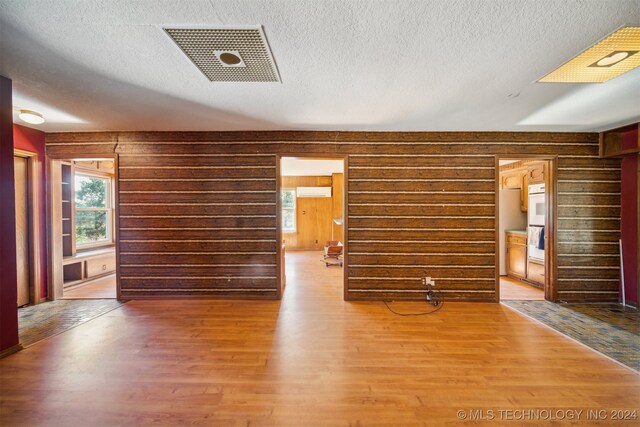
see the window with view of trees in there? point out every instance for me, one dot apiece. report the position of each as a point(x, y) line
point(93, 210)
point(289, 210)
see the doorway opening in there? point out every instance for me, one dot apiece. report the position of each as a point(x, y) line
point(525, 231)
point(312, 222)
point(83, 228)
point(29, 247)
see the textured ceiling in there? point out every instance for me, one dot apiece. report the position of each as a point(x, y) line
point(345, 65)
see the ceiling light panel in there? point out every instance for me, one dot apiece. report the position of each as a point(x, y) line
point(228, 54)
point(609, 58)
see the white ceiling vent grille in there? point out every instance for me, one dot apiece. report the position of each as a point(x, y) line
point(218, 53)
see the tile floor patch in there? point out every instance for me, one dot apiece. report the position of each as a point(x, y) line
point(51, 318)
point(610, 329)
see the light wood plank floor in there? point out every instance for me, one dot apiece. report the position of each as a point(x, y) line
point(103, 287)
point(309, 360)
point(511, 289)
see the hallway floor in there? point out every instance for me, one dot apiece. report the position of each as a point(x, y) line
point(103, 287)
point(311, 359)
point(45, 320)
point(512, 289)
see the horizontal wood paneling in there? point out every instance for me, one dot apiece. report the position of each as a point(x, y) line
point(417, 233)
point(461, 198)
point(200, 173)
point(213, 209)
point(189, 160)
point(356, 246)
point(222, 271)
point(422, 209)
point(230, 247)
point(254, 221)
point(197, 224)
point(191, 186)
point(414, 185)
point(418, 204)
point(588, 228)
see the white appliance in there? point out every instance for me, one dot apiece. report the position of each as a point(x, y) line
point(314, 191)
point(536, 221)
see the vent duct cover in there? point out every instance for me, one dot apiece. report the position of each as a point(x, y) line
point(203, 46)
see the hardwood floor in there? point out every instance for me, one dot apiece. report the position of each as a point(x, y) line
point(103, 287)
point(511, 289)
point(308, 360)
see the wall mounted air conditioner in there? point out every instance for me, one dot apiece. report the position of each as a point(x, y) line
point(314, 191)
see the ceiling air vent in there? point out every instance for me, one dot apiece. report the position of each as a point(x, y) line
point(228, 54)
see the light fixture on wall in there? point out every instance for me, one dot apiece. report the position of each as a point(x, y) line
point(614, 55)
point(30, 116)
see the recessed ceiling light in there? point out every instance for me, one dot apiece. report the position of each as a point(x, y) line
point(613, 58)
point(229, 58)
point(609, 58)
point(30, 116)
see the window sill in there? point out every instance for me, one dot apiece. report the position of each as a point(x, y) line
point(94, 246)
point(80, 255)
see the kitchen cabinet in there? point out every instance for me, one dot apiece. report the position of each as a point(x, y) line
point(517, 180)
point(535, 173)
point(512, 180)
point(535, 273)
point(516, 260)
point(524, 194)
point(521, 177)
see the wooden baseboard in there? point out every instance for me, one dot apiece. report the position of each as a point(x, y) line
point(196, 297)
point(11, 350)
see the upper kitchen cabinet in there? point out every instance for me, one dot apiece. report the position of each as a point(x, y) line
point(519, 175)
point(512, 179)
point(535, 173)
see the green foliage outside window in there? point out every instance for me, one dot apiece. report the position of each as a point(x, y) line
point(92, 208)
point(288, 210)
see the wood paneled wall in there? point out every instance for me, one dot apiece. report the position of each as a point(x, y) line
point(313, 214)
point(198, 210)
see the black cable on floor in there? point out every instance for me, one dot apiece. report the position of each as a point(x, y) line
point(438, 307)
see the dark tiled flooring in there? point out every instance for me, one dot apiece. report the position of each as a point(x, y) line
point(51, 318)
point(614, 314)
point(610, 329)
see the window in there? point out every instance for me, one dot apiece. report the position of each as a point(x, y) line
point(93, 210)
point(289, 210)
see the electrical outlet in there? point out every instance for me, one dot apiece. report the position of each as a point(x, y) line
point(424, 281)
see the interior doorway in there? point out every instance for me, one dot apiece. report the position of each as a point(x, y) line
point(312, 217)
point(525, 233)
point(28, 239)
point(83, 228)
